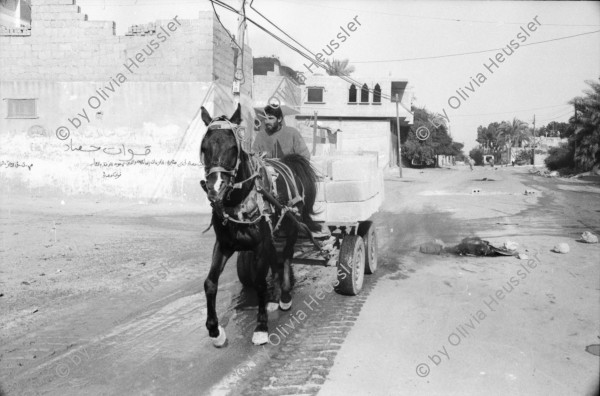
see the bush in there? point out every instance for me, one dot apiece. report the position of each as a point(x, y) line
point(477, 155)
point(560, 157)
point(418, 153)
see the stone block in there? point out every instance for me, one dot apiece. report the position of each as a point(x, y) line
point(320, 165)
point(350, 190)
point(352, 167)
point(320, 208)
point(35, 3)
point(53, 8)
point(65, 16)
point(352, 211)
point(320, 191)
point(36, 26)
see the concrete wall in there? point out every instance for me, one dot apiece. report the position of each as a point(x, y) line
point(133, 152)
point(281, 87)
point(103, 124)
point(65, 46)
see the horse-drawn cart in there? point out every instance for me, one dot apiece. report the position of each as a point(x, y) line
point(347, 197)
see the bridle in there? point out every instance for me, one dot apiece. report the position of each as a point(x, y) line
point(225, 125)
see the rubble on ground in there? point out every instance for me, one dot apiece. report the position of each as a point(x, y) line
point(588, 237)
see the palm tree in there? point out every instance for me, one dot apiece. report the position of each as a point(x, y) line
point(511, 132)
point(339, 67)
point(587, 127)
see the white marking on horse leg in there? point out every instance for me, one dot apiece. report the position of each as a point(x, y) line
point(219, 340)
point(285, 306)
point(260, 337)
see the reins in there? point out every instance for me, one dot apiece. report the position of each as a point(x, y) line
point(256, 164)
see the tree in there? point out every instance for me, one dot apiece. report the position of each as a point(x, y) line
point(560, 157)
point(477, 155)
point(339, 67)
point(586, 121)
point(511, 132)
point(439, 141)
point(556, 129)
point(487, 137)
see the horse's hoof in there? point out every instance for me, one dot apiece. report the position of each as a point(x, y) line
point(260, 337)
point(272, 307)
point(285, 306)
point(219, 340)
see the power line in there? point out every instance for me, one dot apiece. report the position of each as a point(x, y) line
point(474, 52)
point(371, 11)
point(295, 49)
point(223, 26)
point(509, 112)
point(546, 120)
point(323, 65)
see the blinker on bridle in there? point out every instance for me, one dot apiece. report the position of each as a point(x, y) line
point(224, 125)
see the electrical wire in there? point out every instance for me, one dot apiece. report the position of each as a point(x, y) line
point(509, 112)
point(295, 49)
point(326, 66)
point(559, 116)
point(372, 11)
point(223, 26)
point(474, 52)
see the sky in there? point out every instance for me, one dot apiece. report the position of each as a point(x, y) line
point(536, 79)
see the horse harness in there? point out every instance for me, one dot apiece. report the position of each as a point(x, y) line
point(265, 172)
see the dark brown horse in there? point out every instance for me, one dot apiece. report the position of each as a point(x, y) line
point(247, 207)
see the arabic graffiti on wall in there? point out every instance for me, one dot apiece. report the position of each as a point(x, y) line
point(15, 164)
point(128, 154)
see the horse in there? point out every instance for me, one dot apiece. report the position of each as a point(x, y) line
point(248, 208)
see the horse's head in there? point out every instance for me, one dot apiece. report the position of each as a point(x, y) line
point(220, 153)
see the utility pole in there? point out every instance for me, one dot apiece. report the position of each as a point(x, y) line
point(398, 130)
point(314, 148)
point(533, 154)
point(239, 62)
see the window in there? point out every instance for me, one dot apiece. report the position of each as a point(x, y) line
point(377, 94)
point(315, 95)
point(21, 108)
point(364, 94)
point(352, 94)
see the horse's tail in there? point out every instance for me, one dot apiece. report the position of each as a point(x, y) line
point(307, 176)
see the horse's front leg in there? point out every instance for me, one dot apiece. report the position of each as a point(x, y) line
point(211, 285)
point(285, 301)
point(264, 256)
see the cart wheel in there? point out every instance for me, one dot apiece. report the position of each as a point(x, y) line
point(366, 230)
point(245, 268)
point(351, 266)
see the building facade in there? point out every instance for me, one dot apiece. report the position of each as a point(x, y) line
point(73, 95)
point(349, 118)
point(352, 118)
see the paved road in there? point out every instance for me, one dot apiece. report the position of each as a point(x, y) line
point(94, 334)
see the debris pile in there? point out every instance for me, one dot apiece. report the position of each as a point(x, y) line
point(471, 246)
point(588, 237)
point(561, 248)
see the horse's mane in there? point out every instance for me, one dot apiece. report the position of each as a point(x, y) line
point(307, 176)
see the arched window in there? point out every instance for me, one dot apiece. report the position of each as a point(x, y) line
point(352, 94)
point(377, 94)
point(364, 94)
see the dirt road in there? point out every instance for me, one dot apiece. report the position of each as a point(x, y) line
point(105, 298)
